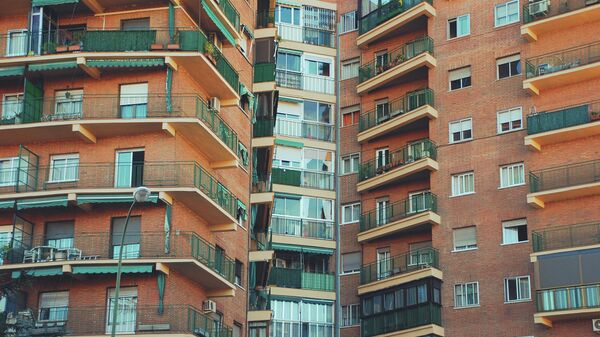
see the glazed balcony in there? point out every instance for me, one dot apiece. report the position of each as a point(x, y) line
point(302, 227)
point(408, 161)
point(567, 303)
point(306, 35)
point(303, 178)
point(264, 72)
point(562, 68)
point(413, 107)
point(404, 215)
point(419, 320)
point(389, 18)
point(99, 116)
point(563, 182)
point(264, 127)
point(545, 16)
point(566, 238)
point(399, 63)
point(305, 130)
point(304, 82)
point(299, 279)
point(563, 125)
point(399, 269)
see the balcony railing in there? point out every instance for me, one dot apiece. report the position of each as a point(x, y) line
point(307, 35)
point(399, 264)
point(564, 176)
point(260, 299)
point(386, 12)
point(566, 237)
point(264, 241)
point(395, 57)
point(401, 319)
point(392, 160)
point(264, 72)
point(301, 227)
point(230, 12)
point(303, 178)
point(264, 127)
point(305, 129)
point(563, 60)
point(563, 118)
point(265, 19)
point(261, 183)
point(299, 81)
point(97, 107)
point(299, 279)
point(543, 9)
point(568, 298)
point(397, 211)
point(395, 108)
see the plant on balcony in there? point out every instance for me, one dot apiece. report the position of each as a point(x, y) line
point(595, 115)
point(210, 52)
point(271, 22)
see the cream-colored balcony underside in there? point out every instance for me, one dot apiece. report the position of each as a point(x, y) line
point(399, 226)
point(426, 111)
point(539, 199)
point(399, 279)
point(536, 85)
point(560, 23)
point(539, 140)
point(401, 172)
point(424, 330)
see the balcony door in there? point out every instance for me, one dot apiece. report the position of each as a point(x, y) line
point(420, 254)
point(381, 211)
point(68, 104)
point(417, 201)
point(131, 244)
point(384, 263)
point(16, 42)
point(129, 168)
point(417, 150)
point(382, 110)
point(382, 157)
point(133, 100)
point(12, 109)
point(126, 310)
point(53, 306)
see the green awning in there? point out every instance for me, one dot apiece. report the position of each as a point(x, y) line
point(56, 201)
point(135, 269)
point(110, 198)
point(52, 2)
point(7, 204)
point(290, 100)
point(290, 51)
point(289, 2)
point(289, 143)
point(218, 23)
point(301, 249)
point(39, 272)
point(130, 63)
point(12, 71)
point(316, 250)
point(53, 66)
point(289, 248)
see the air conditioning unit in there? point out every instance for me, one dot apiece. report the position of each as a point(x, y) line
point(538, 7)
point(280, 263)
point(215, 103)
point(209, 306)
point(214, 39)
point(596, 325)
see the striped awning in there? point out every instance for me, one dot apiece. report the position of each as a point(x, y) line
point(110, 198)
point(7, 204)
point(289, 143)
point(38, 272)
point(53, 66)
point(128, 63)
point(302, 249)
point(12, 71)
point(134, 269)
point(56, 201)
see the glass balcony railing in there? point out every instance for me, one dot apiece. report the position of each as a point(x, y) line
point(562, 237)
point(300, 81)
point(307, 35)
point(399, 264)
point(386, 12)
point(302, 227)
point(563, 60)
point(564, 176)
point(260, 299)
point(392, 160)
point(563, 118)
point(398, 211)
point(263, 127)
point(568, 298)
point(395, 108)
point(401, 319)
point(303, 178)
point(264, 72)
point(305, 129)
point(395, 57)
point(299, 279)
point(543, 9)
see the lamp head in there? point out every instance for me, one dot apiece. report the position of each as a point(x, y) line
point(141, 194)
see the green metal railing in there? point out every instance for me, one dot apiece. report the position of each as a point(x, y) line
point(302, 227)
point(578, 235)
point(299, 279)
point(260, 299)
point(563, 60)
point(264, 72)
point(564, 176)
point(568, 298)
point(398, 210)
point(261, 183)
point(230, 12)
point(563, 118)
point(395, 108)
point(303, 178)
point(543, 9)
point(264, 127)
point(264, 241)
point(399, 264)
point(401, 319)
point(381, 64)
point(392, 160)
point(386, 12)
point(265, 19)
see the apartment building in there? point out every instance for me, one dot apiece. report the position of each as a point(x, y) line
point(100, 97)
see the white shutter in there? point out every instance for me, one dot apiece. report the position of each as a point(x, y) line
point(464, 237)
point(289, 154)
point(134, 94)
point(460, 73)
point(54, 299)
point(508, 59)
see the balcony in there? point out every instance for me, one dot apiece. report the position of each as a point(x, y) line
point(303, 178)
point(564, 182)
point(410, 59)
point(213, 15)
point(98, 116)
point(399, 269)
point(259, 305)
point(408, 161)
point(391, 17)
point(563, 125)
point(400, 216)
point(265, 18)
point(565, 238)
point(542, 17)
point(299, 279)
point(187, 182)
point(305, 130)
point(562, 68)
point(302, 227)
point(413, 107)
point(264, 72)
point(305, 36)
point(303, 85)
point(262, 189)
point(418, 320)
point(567, 303)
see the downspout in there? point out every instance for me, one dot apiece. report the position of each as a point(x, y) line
point(338, 311)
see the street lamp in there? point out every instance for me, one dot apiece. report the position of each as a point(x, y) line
point(141, 194)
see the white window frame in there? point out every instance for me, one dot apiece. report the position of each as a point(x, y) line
point(457, 70)
point(519, 295)
point(507, 59)
point(459, 178)
point(9, 39)
point(512, 111)
point(505, 5)
point(67, 158)
point(414, 195)
point(347, 310)
point(457, 20)
point(14, 167)
point(461, 123)
point(509, 169)
point(464, 287)
point(511, 224)
point(466, 248)
point(347, 67)
point(352, 207)
point(353, 271)
point(344, 22)
point(6, 104)
point(53, 300)
point(353, 158)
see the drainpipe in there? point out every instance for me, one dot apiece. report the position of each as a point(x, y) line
point(338, 311)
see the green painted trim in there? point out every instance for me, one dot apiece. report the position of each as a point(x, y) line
point(283, 246)
point(110, 198)
point(12, 71)
point(218, 23)
point(290, 100)
point(131, 63)
point(302, 249)
point(128, 269)
point(289, 143)
point(39, 272)
point(7, 204)
point(52, 2)
point(53, 66)
point(58, 201)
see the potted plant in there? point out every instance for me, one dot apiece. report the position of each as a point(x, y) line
point(595, 115)
point(271, 22)
point(209, 52)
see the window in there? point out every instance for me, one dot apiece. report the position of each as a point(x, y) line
point(348, 22)
point(384, 263)
point(350, 68)
point(237, 329)
point(350, 315)
point(350, 213)
point(126, 310)
point(506, 13)
point(461, 130)
point(463, 183)
point(350, 115)
point(512, 175)
point(351, 263)
point(129, 168)
point(459, 26)
point(466, 295)
point(239, 267)
point(12, 108)
point(136, 24)
point(287, 206)
point(508, 66)
point(68, 104)
point(9, 171)
point(510, 120)
point(514, 231)
point(289, 15)
point(517, 289)
point(131, 246)
point(418, 201)
point(460, 78)
point(133, 101)
point(350, 163)
point(59, 234)
point(288, 61)
point(64, 168)
point(465, 238)
point(320, 68)
point(53, 306)
point(316, 112)
point(17, 41)
point(257, 329)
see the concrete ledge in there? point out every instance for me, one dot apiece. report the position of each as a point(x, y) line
point(399, 279)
